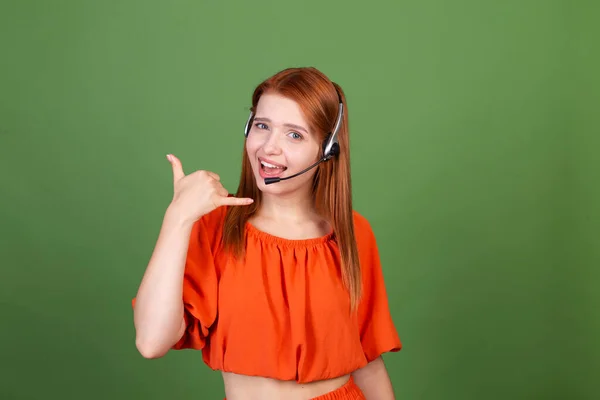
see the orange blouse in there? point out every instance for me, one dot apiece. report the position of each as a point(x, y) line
point(284, 312)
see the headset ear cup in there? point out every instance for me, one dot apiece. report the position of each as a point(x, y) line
point(333, 151)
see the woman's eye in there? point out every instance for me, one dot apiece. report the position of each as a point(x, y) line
point(295, 135)
point(260, 125)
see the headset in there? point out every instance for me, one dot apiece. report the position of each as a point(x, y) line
point(331, 146)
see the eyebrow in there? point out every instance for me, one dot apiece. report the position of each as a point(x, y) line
point(293, 126)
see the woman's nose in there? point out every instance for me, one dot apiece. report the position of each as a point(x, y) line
point(271, 144)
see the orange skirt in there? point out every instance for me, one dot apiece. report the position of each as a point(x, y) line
point(350, 391)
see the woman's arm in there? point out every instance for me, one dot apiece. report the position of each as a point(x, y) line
point(374, 381)
point(158, 309)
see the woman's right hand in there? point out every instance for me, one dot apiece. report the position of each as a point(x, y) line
point(199, 193)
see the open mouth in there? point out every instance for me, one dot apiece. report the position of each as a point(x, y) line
point(269, 168)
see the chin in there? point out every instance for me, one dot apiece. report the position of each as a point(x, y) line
point(272, 188)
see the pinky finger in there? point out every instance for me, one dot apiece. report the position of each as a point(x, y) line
point(235, 201)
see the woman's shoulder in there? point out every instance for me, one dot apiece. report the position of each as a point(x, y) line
point(362, 228)
point(360, 221)
point(366, 242)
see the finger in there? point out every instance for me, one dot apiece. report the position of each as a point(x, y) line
point(177, 168)
point(213, 175)
point(221, 191)
point(234, 201)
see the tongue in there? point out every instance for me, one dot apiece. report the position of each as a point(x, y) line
point(272, 170)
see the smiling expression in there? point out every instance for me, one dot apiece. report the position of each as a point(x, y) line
point(280, 144)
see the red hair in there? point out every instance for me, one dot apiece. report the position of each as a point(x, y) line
point(318, 99)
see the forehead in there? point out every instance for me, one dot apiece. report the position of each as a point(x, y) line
point(280, 110)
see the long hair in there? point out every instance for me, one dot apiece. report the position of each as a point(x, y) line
point(318, 99)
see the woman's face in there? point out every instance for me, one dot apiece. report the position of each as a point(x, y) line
point(280, 144)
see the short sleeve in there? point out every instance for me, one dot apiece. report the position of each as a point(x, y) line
point(378, 333)
point(200, 282)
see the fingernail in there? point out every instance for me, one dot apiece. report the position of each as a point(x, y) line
point(169, 157)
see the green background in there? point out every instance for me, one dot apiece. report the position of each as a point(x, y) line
point(474, 128)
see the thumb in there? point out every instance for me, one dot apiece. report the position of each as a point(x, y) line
point(177, 168)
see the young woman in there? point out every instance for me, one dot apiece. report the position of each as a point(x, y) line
point(281, 285)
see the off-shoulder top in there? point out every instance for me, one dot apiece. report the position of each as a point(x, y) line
point(283, 312)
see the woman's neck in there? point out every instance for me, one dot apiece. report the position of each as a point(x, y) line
point(287, 209)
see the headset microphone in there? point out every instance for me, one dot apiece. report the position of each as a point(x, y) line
point(331, 147)
point(335, 149)
point(269, 181)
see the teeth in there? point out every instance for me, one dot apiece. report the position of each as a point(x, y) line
point(266, 164)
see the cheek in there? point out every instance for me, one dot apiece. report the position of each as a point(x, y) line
point(251, 148)
point(251, 154)
point(306, 155)
point(255, 141)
